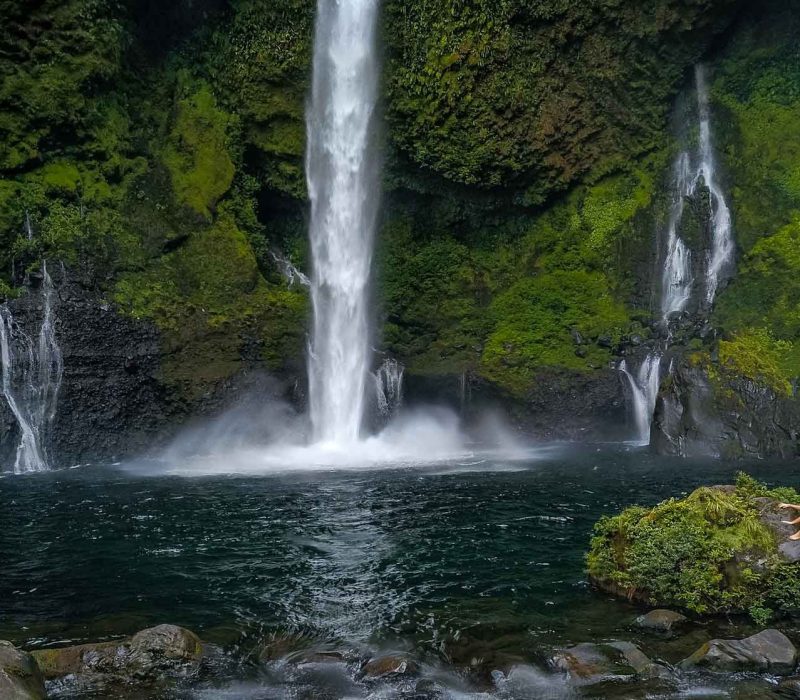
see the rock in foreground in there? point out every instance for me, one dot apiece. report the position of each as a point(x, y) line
point(661, 620)
point(20, 677)
point(769, 650)
point(152, 654)
point(723, 549)
point(589, 664)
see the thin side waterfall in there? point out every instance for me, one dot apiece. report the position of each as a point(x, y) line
point(644, 389)
point(31, 376)
point(677, 276)
point(389, 386)
point(677, 279)
point(343, 172)
point(722, 236)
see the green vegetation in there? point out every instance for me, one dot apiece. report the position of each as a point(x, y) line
point(756, 355)
point(708, 553)
point(757, 89)
point(508, 301)
point(157, 150)
point(550, 90)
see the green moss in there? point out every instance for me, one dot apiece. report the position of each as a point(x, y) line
point(707, 553)
point(534, 322)
point(209, 286)
point(756, 355)
point(550, 90)
point(197, 155)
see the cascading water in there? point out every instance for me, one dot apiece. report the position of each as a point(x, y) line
point(389, 386)
point(343, 183)
point(290, 273)
point(722, 236)
point(677, 276)
point(677, 279)
point(644, 390)
point(31, 376)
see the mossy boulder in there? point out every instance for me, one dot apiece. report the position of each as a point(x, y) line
point(719, 550)
point(150, 655)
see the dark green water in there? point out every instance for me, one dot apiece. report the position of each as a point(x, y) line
point(472, 567)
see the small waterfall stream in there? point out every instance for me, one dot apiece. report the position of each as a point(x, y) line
point(691, 171)
point(677, 275)
point(31, 379)
point(721, 252)
point(343, 182)
point(644, 390)
point(389, 386)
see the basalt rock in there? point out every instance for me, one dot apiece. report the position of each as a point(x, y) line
point(694, 416)
point(20, 677)
point(114, 399)
point(769, 650)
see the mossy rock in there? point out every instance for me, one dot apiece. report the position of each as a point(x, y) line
point(722, 549)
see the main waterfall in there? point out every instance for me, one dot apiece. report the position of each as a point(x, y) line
point(343, 182)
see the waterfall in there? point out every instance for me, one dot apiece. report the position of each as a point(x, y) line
point(290, 273)
point(343, 183)
point(722, 237)
point(677, 276)
point(31, 376)
point(389, 386)
point(677, 280)
point(644, 389)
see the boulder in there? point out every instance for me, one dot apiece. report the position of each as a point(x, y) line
point(661, 620)
point(590, 663)
point(55, 663)
point(20, 677)
point(769, 650)
point(165, 650)
point(389, 665)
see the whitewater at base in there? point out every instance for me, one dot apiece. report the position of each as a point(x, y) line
point(235, 443)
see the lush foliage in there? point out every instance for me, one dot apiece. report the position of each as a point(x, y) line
point(758, 92)
point(708, 553)
point(550, 90)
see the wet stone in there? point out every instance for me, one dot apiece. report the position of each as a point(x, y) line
point(20, 677)
point(590, 663)
point(769, 650)
point(663, 621)
point(389, 665)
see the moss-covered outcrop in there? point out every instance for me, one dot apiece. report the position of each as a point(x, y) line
point(158, 152)
point(721, 549)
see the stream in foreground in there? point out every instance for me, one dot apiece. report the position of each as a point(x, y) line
point(473, 568)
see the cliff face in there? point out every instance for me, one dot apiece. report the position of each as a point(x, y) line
point(158, 152)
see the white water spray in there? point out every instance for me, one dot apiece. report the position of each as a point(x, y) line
point(343, 183)
point(31, 377)
point(644, 389)
point(722, 238)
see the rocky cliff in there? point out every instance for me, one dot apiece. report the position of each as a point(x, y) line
point(158, 154)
